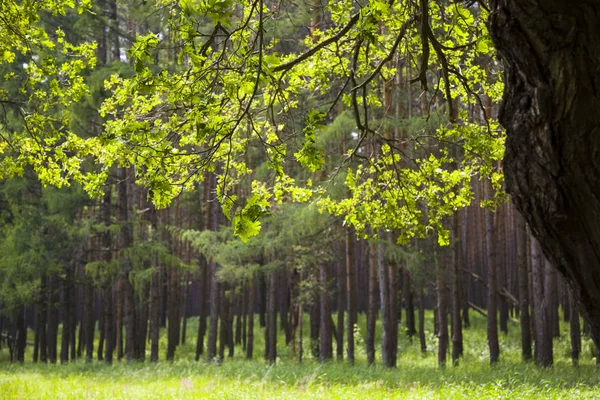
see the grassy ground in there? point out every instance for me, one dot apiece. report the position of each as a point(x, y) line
point(417, 376)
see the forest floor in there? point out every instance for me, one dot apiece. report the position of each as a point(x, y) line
point(417, 375)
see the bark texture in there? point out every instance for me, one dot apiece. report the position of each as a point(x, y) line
point(551, 53)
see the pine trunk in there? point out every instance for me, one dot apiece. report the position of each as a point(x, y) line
point(543, 334)
point(326, 345)
point(351, 296)
point(523, 288)
point(492, 307)
point(372, 304)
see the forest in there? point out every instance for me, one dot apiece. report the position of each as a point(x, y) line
point(299, 199)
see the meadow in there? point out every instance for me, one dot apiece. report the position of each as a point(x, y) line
point(416, 377)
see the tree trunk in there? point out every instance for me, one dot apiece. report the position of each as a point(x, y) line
point(66, 317)
point(550, 112)
point(422, 341)
point(250, 335)
point(492, 308)
point(575, 331)
point(409, 303)
point(523, 288)
point(214, 312)
point(271, 329)
point(52, 332)
point(204, 307)
point(89, 319)
point(457, 336)
point(326, 345)
point(387, 340)
point(372, 304)
point(543, 333)
point(340, 268)
point(315, 322)
point(351, 296)
point(42, 320)
point(501, 265)
point(125, 242)
point(21, 335)
point(442, 307)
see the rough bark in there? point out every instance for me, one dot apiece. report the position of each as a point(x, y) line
point(551, 56)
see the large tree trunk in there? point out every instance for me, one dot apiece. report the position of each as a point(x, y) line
point(550, 110)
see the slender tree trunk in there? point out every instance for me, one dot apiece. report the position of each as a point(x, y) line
point(351, 296)
point(501, 265)
point(244, 299)
point(340, 268)
point(214, 282)
point(523, 288)
point(224, 314)
point(52, 332)
point(184, 301)
point(204, 307)
point(326, 345)
point(125, 242)
point(409, 303)
point(239, 299)
point(442, 307)
point(315, 322)
point(271, 330)
point(554, 320)
point(42, 320)
point(575, 330)
point(492, 308)
point(250, 335)
point(372, 305)
point(543, 335)
point(387, 340)
point(21, 335)
point(214, 313)
point(457, 336)
point(66, 320)
point(422, 341)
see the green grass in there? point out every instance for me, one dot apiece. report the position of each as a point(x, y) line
point(417, 376)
